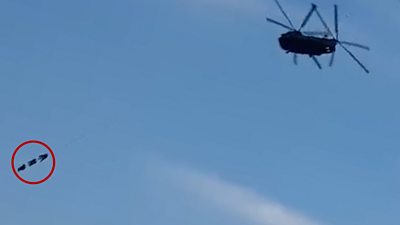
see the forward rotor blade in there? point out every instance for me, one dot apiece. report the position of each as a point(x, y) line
point(336, 22)
point(332, 59)
point(354, 57)
point(295, 56)
point(279, 23)
point(324, 23)
point(316, 62)
point(313, 7)
point(355, 45)
point(284, 13)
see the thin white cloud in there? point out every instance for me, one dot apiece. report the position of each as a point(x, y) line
point(234, 199)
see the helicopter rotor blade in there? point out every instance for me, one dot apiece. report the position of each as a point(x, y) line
point(278, 23)
point(295, 56)
point(316, 62)
point(324, 23)
point(332, 59)
point(354, 57)
point(313, 7)
point(336, 22)
point(284, 13)
point(355, 45)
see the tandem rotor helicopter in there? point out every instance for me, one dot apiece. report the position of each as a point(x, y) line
point(308, 43)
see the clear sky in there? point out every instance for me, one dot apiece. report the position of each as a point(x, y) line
point(167, 112)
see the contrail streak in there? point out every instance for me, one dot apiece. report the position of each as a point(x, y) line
point(235, 199)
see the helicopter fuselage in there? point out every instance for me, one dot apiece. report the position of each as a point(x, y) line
point(296, 42)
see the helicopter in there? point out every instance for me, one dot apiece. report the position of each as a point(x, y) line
point(310, 43)
point(33, 161)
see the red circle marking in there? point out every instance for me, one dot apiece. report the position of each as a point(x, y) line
point(33, 142)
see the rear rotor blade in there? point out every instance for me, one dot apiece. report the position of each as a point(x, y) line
point(355, 45)
point(354, 57)
point(295, 56)
point(316, 62)
point(336, 22)
point(313, 7)
point(278, 23)
point(324, 23)
point(284, 13)
point(332, 59)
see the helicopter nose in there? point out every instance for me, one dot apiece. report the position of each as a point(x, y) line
point(328, 49)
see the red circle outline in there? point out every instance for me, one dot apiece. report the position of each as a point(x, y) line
point(33, 142)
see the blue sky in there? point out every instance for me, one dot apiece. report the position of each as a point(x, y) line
point(188, 112)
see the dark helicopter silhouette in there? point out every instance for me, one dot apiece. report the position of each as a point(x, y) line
point(33, 162)
point(298, 42)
